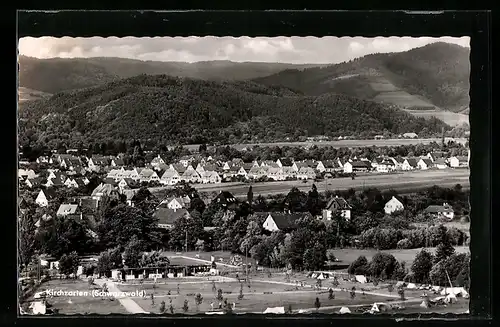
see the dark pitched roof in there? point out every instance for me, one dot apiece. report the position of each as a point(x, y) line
point(361, 164)
point(438, 154)
point(338, 202)
point(427, 161)
point(440, 161)
point(50, 193)
point(287, 162)
point(110, 181)
point(36, 181)
point(329, 164)
point(412, 161)
point(169, 216)
point(287, 220)
point(89, 203)
point(119, 161)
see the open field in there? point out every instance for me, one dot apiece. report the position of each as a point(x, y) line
point(339, 143)
point(254, 299)
point(403, 182)
point(450, 118)
point(79, 304)
point(346, 256)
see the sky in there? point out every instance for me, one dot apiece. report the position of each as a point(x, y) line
point(297, 50)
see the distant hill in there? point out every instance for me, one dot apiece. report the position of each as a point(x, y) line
point(55, 75)
point(167, 110)
point(433, 77)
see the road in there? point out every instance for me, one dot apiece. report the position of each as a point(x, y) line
point(129, 304)
point(404, 182)
point(341, 143)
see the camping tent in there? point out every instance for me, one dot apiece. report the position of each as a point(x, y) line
point(424, 304)
point(457, 291)
point(411, 286)
point(321, 276)
point(275, 310)
point(400, 284)
point(214, 312)
point(450, 298)
point(344, 310)
point(360, 279)
point(38, 308)
point(314, 275)
point(377, 307)
point(303, 311)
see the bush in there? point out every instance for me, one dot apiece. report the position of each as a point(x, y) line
point(405, 243)
point(400, 271)
point(358, 266)
point(438, 274)
point(330, 255)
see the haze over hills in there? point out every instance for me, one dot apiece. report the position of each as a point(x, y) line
point(426, 80)
point(57, 74)
point(165, 110)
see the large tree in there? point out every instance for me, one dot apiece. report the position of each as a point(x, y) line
point(63, 235)
point(185, 229)
point(422, 266)
point(68, 263)
point(122, 222)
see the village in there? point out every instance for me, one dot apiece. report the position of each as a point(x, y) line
point(79, 189)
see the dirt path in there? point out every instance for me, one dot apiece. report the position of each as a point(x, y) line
point(129, 304)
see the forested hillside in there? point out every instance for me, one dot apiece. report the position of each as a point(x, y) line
point(55, 75)
point(436, 75)
point(171, 110)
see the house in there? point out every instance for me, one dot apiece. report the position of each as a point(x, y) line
point(440, 163)
point(44, 159)
point(71, 183)
point(148, 175)
point(257, 172)
point(410, 164)
point(156, 162)
point(88, 204)
point(379, 137)
point(459, 161)
point(176, 203)
point(170, 177)
point(180, 169)
point(397, 162)
point(276, 174)
point(306, 173)
point(71, 163)
point(424, 163)
point(281, 221)
point(433, 156)
point(117, 162)
point(284, 162)
point(97, 162)
point(327, 166)
point(190, 175)
point(34, 182)
point(210, 177)
point(57, 174)
point(226, 200)
point(67, 209)
point(132, 174)
point(269, 163)
point(377, 161)
point(81, 182)
point(341, 162)
point(444, 211)
point(306, 163)
point(186, 160)
point(233, 171)
point(129, 196)
point(355, 166)
point(393, 205)
point(385, 166)
point(26, 173)
point(126, 183)
point(289, 172)
point(58, 181)
point(104, 190)
point(337, 204)
point(45, 196)
point(167, 217)
point(410, 135)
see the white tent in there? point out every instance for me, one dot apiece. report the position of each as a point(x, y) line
point(424, 304)
point(314, 275)
point(378, 306)
point(344, 310)
point(374, 308)
point(214, 313)
point(436, 288)
point(450, 298)
point(275, 310)
point(303, 311)
point(360, 279)
point(457, 291)
point(38, 308)
point(321, 276)
point(411, 286)
point(399, 284)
